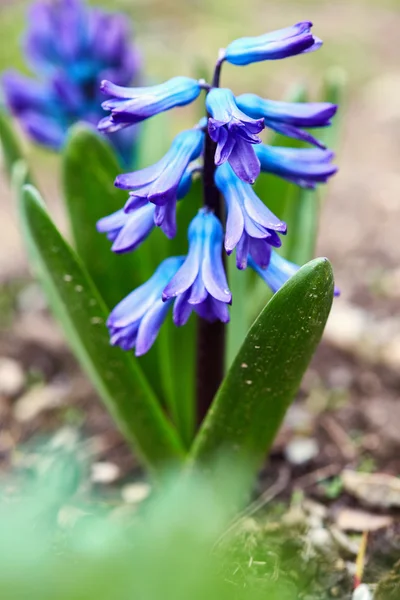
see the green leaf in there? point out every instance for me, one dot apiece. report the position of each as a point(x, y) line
point(334, 90)
point(10, 144)
point(177, 349)
point(89, 171)
point(239, 282)
point(79, 308)
point(250, 405)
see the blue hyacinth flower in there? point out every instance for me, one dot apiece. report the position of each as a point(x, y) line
point(160, 182)
point(136, 321)
point(251, 227)
point(235, 133)
point(132, 105)
point(127, 229)
point(306, 166)
point(278, 272)
point(70, 55)
point(289, 118)
point(200, 285)
point(275, 45)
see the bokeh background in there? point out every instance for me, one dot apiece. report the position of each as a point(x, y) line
point(356, 370)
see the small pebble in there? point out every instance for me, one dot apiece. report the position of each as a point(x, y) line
point(12, 377)
point(38, 399)
point(104, 472)
point(134, 493)
point(301, 450)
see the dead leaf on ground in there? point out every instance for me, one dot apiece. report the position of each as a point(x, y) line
point(373, 489)
point(349, 519)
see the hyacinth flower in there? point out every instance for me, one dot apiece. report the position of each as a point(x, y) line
point(165, 182)
point(128, 227)
point(251, 227)
point(136, 321)
point(305, 167)
point(289, 118)
point(132, 105)
point(228, 150)
point(70, 55)
point(283, 43)
point(235, 133)
point(200, 284)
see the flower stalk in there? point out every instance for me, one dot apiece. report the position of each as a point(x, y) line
point(211, 337)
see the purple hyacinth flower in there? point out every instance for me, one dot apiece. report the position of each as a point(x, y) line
point(69, 53)
point(251, 227)
point(136, 321)
point(306, 166)
point(132, 105)
point(282, 43)
point(127, 230)
point(160, 182)
point(235, 133)
point(200, 284)
point(278, 272)
point(289, 118)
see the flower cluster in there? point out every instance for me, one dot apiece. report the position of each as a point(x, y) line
point(71, 48)
point(197, 282)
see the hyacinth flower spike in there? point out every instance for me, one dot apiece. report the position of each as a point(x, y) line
point(306, 167)
point(132, 105)
point(289, 118)
point(235, 133)
point(70, 55)
point(200, 284)
point(135, 322)
point(251, 227)
point(127, 230)
point(272, 46)
point(232, 155)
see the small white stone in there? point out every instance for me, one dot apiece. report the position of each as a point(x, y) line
point(134, 493)
point(12, 377)
point(301, 450)
point(38, 399)
point(104, 472)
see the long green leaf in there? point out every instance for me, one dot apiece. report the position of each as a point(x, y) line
point(82, 313)
point(10, 144)
point(89, 171)
point(265, 376)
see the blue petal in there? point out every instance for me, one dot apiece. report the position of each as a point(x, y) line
point(136, 304)
point(182, 309)
point(187, 274)
point(244, 161)
point(150, 326)
point(271, 46)
point(212, 271)
point(306, 167)
point(131, 105)
point(300, 114)
point(278, 271)
point(138, 226)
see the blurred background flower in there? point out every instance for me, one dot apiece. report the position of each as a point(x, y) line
point(70, 48)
